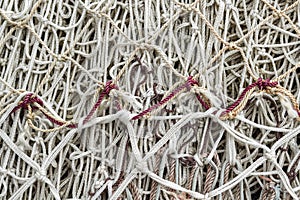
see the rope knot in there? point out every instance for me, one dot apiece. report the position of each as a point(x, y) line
point(142, 166)
point(231, 46)
point(263, 84)
point(20, 24)
point(109, 86)
point(270, 156)
point(191, 81)
point(41, 175)
point(28, 99)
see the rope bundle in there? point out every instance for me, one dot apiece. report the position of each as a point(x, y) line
point(149, 99)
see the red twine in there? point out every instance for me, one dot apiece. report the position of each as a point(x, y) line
point(28, 99)
point(260, 83)
point(190, 82)
point(108, 87)
point(203, 103)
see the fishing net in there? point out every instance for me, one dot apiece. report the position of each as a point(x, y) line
point(149, 99)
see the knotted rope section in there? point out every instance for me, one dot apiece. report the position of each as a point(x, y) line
point(108, 87)
point(145, 99)
point(203, 100)
point(263, 84)
point(31, 99)
point(187, 85)
point(232, 110)
point(28, 99)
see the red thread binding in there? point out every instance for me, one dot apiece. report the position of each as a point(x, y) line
point(108, 87)
point(54, 121)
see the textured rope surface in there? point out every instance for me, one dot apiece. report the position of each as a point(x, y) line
point(149, 99)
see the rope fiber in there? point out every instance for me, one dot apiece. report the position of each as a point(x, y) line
point(149, 99)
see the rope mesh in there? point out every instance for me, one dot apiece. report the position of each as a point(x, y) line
point(149, 99)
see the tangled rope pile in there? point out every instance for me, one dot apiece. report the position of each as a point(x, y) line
point(149, 99)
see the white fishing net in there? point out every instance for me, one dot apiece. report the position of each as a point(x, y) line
point(159, 99)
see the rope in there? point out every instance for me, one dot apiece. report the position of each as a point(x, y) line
point(149, 99)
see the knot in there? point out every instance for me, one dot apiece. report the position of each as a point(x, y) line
point(188, 161)
point(4, 172)
point(263, 84)
point(109, 86)
point(38, 140)
point(231, 45)
point(199, 160)
point(270, 156)
point(28, 99)
point(98, 184)
point(20, 24)
point(142, 166)
point(232, 115)
point(191, 81)
point(41, 175)
point(45, 21)
point(60, 58)
point(254, 13)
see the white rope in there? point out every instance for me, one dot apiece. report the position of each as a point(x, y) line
point(65, 52)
